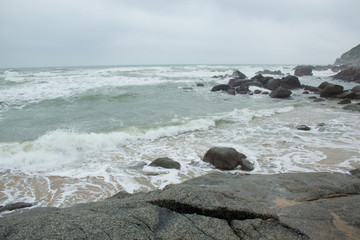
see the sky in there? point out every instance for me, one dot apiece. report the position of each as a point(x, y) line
point(43, 33)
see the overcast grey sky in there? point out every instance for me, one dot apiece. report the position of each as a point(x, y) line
point(114, 32)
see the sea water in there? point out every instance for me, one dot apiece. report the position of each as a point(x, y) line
point(79, 134)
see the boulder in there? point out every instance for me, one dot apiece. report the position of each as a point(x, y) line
point(239, 75)
point(346, 94)
point(345, 101)
point(352, 107)
point(277, 72)
point(303, 71)
point(220, 87)
point(310, 88)
point(165, 163)
point(280, 92)
point(225, 158)
point(290, 82)
point(273, 84)
point(303, 128)
point(351, 74)
point(323, 85)
point(331, 90)
point(356, 89)
point(260, 79)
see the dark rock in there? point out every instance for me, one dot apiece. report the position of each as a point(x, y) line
point(352, 107)
point(306, 92)
point(15, 206)
point(231, 91)
point(350, 57)
point(303, 128)
point(187, 88)
point(303, 71)
point(311, 88)
point(238, 74)
point(280, 93)
point(355, 172)
point(227, 159)
point(290, 82)
point(319, 100)
point(265, 93)
point(222, 76)
point(220, 87)
point(278, 72)
point(257, 91)
point(331, 90)
point(312, 97)
point(200, 85)
point(356, 89)
point(351, 74)
point(261, 79)
point(273, 84)
point(165, 163)
point(214, 206)
point(345, 101)
point(323, 85)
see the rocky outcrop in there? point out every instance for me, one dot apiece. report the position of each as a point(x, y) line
point(225, 158)
point(303, 70)
point(351, 57)
point(351, 74)
point(276, 72)
point(214, 206)
point(165, 163)
point(238, 75)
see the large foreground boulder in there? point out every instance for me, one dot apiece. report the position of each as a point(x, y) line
point(225, 158)
point(290, 82)
point(215, 206)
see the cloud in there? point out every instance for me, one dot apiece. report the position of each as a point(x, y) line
point(94, 32)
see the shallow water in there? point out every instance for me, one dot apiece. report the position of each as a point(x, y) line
point(71, 135)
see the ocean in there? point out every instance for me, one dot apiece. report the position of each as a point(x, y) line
point(70, 135)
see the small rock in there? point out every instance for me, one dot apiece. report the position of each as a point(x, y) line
point(319, 100)
point(200, 85)
point(14, 206)
point(257, 91)
point(345, 101)
point(225, 158)
point(306, 92)
point(238, 74)
point(353, 107)
point(165, 163)
point(220, 87)
point(303, 128)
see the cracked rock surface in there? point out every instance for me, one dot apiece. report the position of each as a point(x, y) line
point(214, 206)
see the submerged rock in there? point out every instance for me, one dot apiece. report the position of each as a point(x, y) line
point(276, 72)
point(352, 107)
point(303, 128)
point(227, 159)
point(165, 163)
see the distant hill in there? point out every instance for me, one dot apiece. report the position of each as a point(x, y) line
point(351, 57)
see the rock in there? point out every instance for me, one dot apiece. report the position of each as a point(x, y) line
point(305, 92)
point(165, 163)
point(231, 91)
point(331, 90)
point(214, 206)
point(227, 159)
point(319, 100)
point(311, 88)
point(15, 206)
point(200, 85)
point(303, 128)
point(303, 71)
point(290, 82)
point(257, 91)
point(260, 79)
point(323, 85)
point(265, 93)
point(280, 92)
point(346, 94)
point(352, 107)
point(355, 172)
point(312, 97)
point(350, 57)
point(220, 87)
point(273, 84)
point(351, 74)
point(278, 72)
point(239, 75)
point(345, 101)
point(356, 89)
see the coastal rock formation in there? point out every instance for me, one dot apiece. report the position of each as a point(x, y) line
point(331, 90)
point(351, 74)
point(277, 72)
point(165, 163)
point(227, 159)
point(303, 70)
point(351, 57)
point(214, 206)
point(238, 75)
